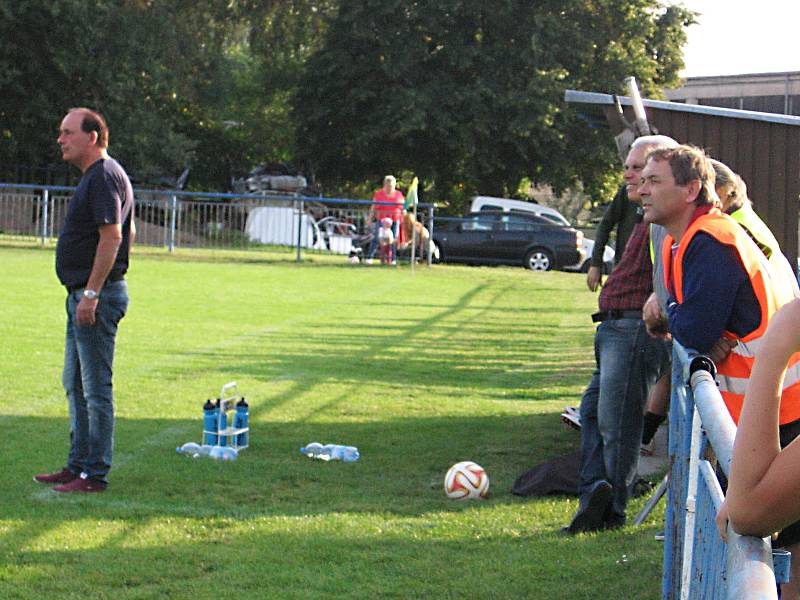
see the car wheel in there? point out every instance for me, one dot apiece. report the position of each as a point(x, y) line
point(539, 259)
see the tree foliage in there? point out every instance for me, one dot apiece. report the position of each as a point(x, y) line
point(469, 95)
point(175, 79)
point(464, 93)
point(106, 57)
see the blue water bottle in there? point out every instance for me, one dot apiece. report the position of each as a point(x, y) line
point(350, 454)
point(210, 412)
point(223, 424)
point(340, 452)
point(331, 452)
point(240, 421)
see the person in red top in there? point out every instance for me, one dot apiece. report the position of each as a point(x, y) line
point(387, 194)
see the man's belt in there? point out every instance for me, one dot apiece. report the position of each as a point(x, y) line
point(111, 279)
point(607, 315)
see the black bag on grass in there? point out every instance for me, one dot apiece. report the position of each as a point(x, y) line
point(557, 476)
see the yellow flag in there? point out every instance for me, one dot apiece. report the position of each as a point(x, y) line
point(411, 197)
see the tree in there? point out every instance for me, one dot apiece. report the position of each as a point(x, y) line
point(171, 77)
point(469, 95)
point(105, 58)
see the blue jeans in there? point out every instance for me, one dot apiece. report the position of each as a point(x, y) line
point(373, 245)
point(88, 362)
point(628, 362)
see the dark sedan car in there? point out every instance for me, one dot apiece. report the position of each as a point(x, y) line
point(496, 237)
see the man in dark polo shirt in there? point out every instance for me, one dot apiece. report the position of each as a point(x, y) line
point(91, 262)
point(628, 361)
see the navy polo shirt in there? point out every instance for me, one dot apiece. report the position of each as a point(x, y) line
point(717, 296)
point(104, 196)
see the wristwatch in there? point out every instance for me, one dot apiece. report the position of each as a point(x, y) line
point(90, 294)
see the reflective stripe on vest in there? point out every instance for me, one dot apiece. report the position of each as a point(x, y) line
point(738, 385)
point(771, 292)
point(758, 231)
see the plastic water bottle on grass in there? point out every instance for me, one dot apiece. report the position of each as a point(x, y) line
point(189, 449)
point(344, 453)
point(205, 450)
point(331, 452)
point(223, 453)
point(312, 450)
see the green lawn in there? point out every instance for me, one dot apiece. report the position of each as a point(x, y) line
point(418, 370)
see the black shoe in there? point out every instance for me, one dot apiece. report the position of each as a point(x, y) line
point(612, 520)
point(592, 509)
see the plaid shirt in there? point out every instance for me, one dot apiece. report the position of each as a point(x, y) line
point(631, 282)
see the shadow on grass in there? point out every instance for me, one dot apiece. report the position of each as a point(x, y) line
point(540, 310)
point(377, 559)
point(401, 470)
point(451, 362)
point(276, 524)
point(458, 345)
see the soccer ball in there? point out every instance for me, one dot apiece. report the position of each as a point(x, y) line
point(466, 480)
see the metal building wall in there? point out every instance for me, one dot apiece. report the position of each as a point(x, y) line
point(765, 154)
point(763, 148)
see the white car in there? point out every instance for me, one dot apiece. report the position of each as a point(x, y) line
point(508, 205)
point(588, 247)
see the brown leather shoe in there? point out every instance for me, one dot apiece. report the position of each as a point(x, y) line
point(63, 476)
point(82, 484)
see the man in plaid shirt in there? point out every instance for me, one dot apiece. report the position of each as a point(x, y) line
point(628, 361)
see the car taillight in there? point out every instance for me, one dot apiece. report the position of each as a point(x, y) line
point(579, 239)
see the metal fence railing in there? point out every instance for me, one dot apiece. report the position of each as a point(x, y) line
point(697, 563)
point(173, 219)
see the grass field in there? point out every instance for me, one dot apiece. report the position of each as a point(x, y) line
point(419, 371)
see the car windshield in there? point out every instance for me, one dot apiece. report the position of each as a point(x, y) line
point(557, 219)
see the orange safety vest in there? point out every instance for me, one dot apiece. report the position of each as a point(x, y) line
point(733, 372)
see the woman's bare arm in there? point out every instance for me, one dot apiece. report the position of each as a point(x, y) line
point(764, 490)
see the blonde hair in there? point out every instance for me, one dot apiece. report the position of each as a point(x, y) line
point(736, 195)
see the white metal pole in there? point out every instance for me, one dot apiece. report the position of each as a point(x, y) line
point(299, 228)
point(691, 500)
point(173, 221)
point(414, 240)
point(45, 213)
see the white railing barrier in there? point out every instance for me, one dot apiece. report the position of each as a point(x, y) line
point(697, 563)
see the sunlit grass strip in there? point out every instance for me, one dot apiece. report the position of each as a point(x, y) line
point(419, 371)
